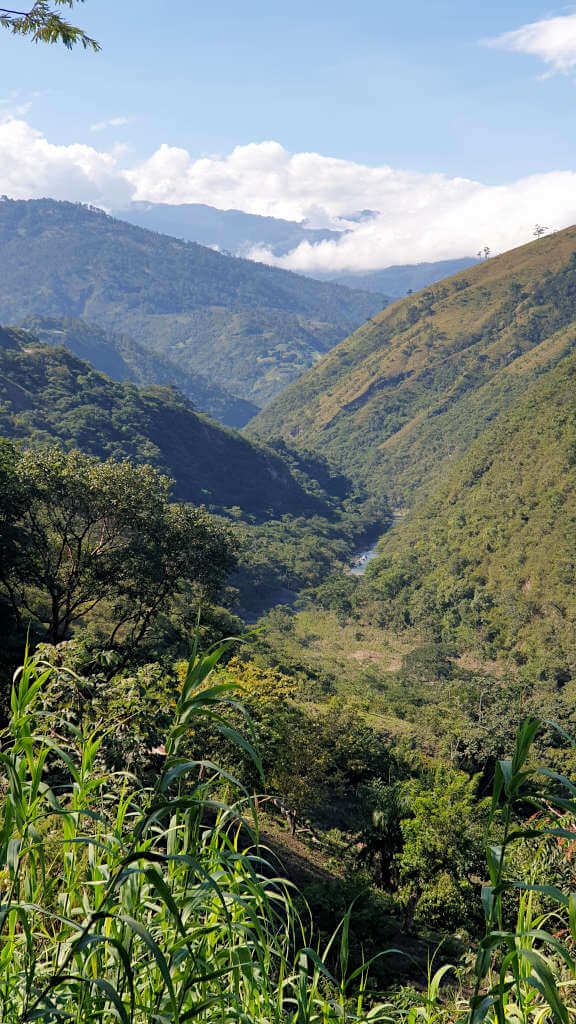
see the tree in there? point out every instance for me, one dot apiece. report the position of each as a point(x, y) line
point(443, 848)
point(44, 24)
point(383, 806)
point(77, 533)
point(539, 231)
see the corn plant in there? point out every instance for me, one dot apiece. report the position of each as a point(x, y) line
point(527, 973)
point(148, 905)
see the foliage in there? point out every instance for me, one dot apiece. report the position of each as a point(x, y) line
point(81, 532)
point(45, 24)
point(152, 906)
point(488, 561)
point(443, 848)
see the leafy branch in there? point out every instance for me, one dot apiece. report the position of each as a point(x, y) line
point(45, 25)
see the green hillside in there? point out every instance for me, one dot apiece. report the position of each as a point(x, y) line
point(405, 395)
point(120, 357)
point(47, 395)
point(250, 327)
point(490, 558)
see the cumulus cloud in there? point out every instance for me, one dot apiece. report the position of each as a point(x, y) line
point(440, 222)
point(420, 216)
point(31, 167)
point(264, 178)
point(112, 122)
point(552, 39)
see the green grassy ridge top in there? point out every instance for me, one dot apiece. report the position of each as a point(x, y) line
point(491, 554)
point(398, 400)
point(203, 310)
point(48, 395)
point(120, 357)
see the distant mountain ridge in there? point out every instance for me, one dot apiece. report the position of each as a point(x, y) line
point(249, 327)
point(400, 280)
point(232, 231)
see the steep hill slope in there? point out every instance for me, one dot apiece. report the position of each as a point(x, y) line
point(405, 395)
point(120, 357)
point(47, 395)
point(490, 557)
point(250, 327)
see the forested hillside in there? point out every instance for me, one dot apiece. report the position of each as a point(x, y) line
point(406, 394)
point(249, 327)
point(489, 560)
point(47, 395)
point(120, 357)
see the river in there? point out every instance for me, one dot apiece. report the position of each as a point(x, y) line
point(362, 560)
point(365, 555)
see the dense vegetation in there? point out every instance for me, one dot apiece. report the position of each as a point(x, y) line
point(489, 560)
point(47, 394)
point(403, 397)
point(377, 712)
point(252, 326)
point(121, 358)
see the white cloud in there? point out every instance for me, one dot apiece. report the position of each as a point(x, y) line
point(31, 167)
point(552, 39)
point(422, 216)
point(112, 122)
point(440, 222)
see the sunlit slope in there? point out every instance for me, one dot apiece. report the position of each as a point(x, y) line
point(491, 554)
point(404, 396)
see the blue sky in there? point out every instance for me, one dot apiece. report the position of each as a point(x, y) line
point(407, 85)
point(404, 83)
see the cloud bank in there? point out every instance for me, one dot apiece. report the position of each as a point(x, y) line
point(552, 39)
point(420, 216)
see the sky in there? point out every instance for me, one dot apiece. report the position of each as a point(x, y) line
point(453, 122)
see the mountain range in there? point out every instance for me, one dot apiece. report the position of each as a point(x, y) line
point(238, 234)
point(401, 280)
point(248, 327)
point(460, 404)
point(231, 231)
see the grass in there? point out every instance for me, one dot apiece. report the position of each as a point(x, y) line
point(134, 904)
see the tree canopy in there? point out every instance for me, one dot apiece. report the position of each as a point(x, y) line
point(78, 533)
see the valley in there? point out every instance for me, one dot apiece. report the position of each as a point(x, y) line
point(392, 536)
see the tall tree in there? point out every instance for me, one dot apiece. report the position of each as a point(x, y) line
point(78, 532)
